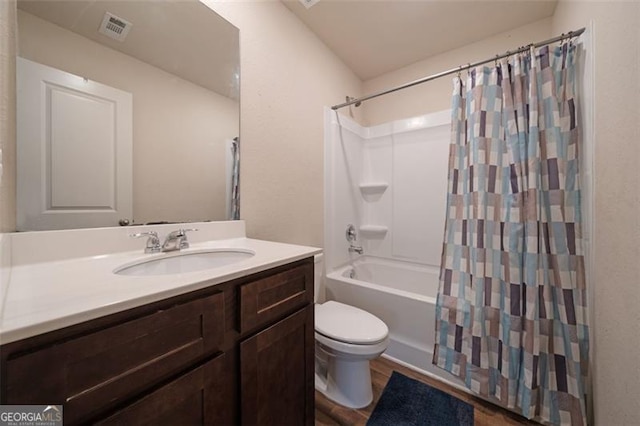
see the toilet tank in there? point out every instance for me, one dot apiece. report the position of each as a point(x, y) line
point(318, 278)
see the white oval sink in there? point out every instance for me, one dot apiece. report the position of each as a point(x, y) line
point(184, 261)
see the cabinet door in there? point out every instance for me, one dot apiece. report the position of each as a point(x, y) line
point(195, 398)
point(96, 371)
point(277, 373)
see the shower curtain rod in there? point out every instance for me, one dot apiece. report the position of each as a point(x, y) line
point(351, 101)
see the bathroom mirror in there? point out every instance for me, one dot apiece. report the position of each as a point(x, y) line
point(178, 64)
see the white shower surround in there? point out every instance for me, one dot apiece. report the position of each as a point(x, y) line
point(390, 181)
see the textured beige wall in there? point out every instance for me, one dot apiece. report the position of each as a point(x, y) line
point(7, 114)
point(288, 76)
point(436, 95)
point(179, 128)
point(616, 285)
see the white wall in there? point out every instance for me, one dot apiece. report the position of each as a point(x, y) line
point(616, 286)
point(8, 115)
point(436, 95)
point(288, 76)
point(179, 129)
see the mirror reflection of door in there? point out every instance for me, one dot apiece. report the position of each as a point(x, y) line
point(74, 150)
point(180, 62)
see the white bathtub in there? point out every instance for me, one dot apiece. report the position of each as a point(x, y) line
point(403, 295)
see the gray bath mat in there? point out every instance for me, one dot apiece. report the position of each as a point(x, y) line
point(408, 402)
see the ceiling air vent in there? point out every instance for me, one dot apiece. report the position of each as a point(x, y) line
point(114, 27)
point(308, 3)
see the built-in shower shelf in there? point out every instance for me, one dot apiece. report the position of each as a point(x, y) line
point(373, 231)
point(369, 188)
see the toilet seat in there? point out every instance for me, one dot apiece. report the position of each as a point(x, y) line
point(350, 350)
point(348, 324)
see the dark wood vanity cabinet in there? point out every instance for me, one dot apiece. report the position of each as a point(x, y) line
point(277, 373)
point(193, 398)
point(241, 352)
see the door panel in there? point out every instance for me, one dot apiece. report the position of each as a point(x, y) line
point(81, 127)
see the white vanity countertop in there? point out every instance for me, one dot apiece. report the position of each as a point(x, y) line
point(50, 295)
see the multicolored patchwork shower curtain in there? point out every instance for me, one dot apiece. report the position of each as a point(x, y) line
point(511, 309)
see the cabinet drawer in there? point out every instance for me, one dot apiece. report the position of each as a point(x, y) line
point(195, 398)
point(268, 299)
point(105, 367)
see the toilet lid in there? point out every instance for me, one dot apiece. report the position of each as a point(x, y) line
point(349, 324)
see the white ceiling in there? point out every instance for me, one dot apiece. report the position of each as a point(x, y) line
point(374, 37)
point(184, 38)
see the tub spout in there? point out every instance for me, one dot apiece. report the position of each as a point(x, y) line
point(356, 249)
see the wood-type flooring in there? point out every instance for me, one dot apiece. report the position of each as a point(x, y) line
point(329, 413)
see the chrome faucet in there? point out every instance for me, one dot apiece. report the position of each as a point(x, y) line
point(153, 242)
point(351, 237)
point(356, 249)
point(176, 240)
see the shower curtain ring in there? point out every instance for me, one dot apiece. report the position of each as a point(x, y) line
point(351, 98)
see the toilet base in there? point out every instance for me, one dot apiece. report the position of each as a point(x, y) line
point(347, 382)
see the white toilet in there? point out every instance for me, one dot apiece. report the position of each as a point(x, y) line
point(346, 339)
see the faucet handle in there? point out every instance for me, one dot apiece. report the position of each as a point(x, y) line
point(184, 243)
point(350, 233)
point(153, 242)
